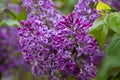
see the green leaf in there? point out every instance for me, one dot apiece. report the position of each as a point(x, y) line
point(114, 21)
point(22, 15)
point(3, 5)
point(99, 30)
point(9, 22)
point(102, 8)
point(110, 66)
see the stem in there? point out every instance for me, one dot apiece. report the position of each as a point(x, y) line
point(12, 13)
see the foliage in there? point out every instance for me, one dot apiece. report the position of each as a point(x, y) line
point(9, 22)
point(99, 30)
point(109, 69)
point(107, 29)
point(103, 25)
point(22, 15)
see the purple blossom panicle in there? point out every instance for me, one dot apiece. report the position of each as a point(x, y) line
point(58, 47)
point(80, 52)
point(68, 49)
point(36, 42)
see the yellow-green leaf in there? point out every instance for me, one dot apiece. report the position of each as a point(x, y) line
point(103, 8)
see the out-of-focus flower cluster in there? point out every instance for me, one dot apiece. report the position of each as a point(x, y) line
point(116, 4)
point(10, 56)
point(16, 8)
point(8, 49)
point(59, 47)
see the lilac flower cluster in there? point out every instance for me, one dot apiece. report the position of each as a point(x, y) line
point(78, 49)
point(58, 47)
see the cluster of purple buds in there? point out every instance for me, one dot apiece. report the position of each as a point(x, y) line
point(58, 47)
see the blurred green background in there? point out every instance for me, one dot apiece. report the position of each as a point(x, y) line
point(65, 6)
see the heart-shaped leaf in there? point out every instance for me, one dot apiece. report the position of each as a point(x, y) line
point(99, 30)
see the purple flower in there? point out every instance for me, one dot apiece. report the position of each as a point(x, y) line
point(80, 44)
point(86, 9)
point(44, 10)
point(59, 46)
